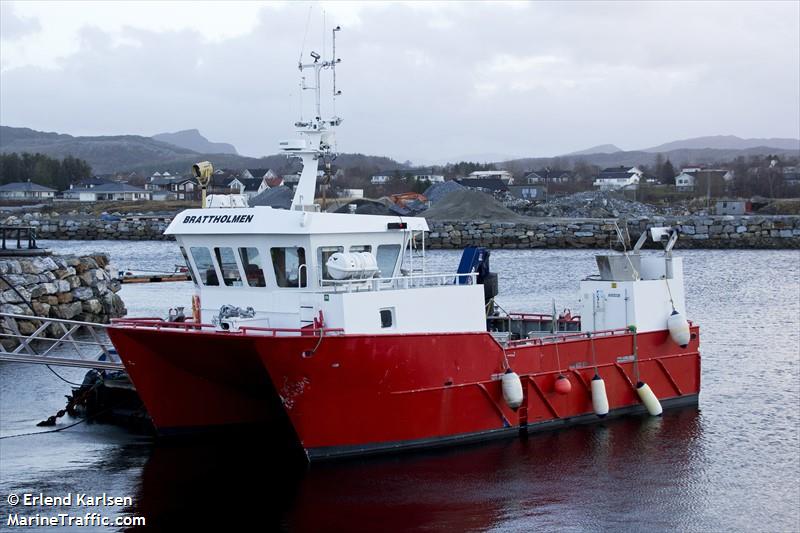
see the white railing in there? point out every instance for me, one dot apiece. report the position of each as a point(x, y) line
point(413, 281)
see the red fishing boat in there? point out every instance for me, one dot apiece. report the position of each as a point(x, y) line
point(330, 329)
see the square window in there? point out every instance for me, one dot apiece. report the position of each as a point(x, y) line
point(387, 318)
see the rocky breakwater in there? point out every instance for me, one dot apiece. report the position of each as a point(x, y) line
point(77, 226)
point(586, 233)
point(767, 232)
point(67, 287)
point(728, 231)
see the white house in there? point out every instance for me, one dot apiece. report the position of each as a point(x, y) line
point(265, 173)
point(380, 179)
point(684, 182)
point(618, 178)
point(431, 178)
point(504, 175)
point(248, 186)
point(108, 192)
point(26, 191)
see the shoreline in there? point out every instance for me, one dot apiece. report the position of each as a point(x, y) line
point(703, 231)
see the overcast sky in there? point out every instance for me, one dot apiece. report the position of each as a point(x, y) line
point(424, 82)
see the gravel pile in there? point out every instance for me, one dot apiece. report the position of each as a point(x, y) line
point(466, 204)
point(438, 191)
point(592, 204)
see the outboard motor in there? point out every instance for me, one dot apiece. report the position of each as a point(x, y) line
point(476, 259)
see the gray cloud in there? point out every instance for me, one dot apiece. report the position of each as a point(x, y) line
point(12, 26)
point(538, 79)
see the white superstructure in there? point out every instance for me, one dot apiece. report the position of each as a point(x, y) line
point(634, 289)
point(276, 262)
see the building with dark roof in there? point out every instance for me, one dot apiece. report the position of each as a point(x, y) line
point(89, 183)
point(108, 192)
point(26, 190)
point(618, 178)
point(248, 186)
point(484, 184)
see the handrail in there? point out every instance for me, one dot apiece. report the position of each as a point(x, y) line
point(195, 327)
point(400, 282)
point(56, 320)
point(37, 347)
point(578, 335)
point(545, 316)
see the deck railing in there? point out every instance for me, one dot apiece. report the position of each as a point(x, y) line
point(195, 327)
point(571, 336)
point(412, 281)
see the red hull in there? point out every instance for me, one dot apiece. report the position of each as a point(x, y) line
point(352, 394)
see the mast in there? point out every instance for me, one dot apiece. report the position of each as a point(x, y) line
point(317, 139)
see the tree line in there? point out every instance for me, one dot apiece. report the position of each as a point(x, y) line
point(43, 170)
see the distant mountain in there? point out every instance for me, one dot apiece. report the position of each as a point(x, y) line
point(600, 149)
point(104, 153)
point(704, 156)
point(121, 153)
point(726, 142)
point(193, 140)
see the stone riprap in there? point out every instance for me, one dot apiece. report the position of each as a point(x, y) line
point(696, 232)
point(752, 231)
point(86, 228)
point(68, 287)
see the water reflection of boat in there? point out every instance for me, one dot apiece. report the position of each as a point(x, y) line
point(330, 325)
point(550, 480)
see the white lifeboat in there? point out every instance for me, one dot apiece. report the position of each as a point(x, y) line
point(353, 265)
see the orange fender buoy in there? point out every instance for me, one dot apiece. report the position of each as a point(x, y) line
point(562, 385)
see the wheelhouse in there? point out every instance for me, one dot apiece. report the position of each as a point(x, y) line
point(276, 261)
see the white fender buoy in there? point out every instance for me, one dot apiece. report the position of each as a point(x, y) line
point(599, 397)
point(649, 399)
point(678, 329)
point(512, 389)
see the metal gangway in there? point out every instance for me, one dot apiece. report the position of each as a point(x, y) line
point(71, 343)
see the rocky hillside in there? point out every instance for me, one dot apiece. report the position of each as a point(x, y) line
point(194, 140)
point(123, 153)
point(108, 153)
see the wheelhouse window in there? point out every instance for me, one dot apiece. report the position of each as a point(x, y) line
point(188, 265)
point(205, 266)
point(323, 254)
point(387, 259)
point(290, 266)
point(227, 264)
point(253, 269)
point(361, 248)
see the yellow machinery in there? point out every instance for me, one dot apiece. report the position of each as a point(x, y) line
point(203, 172)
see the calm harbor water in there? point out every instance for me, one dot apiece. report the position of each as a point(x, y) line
point(731, 465)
